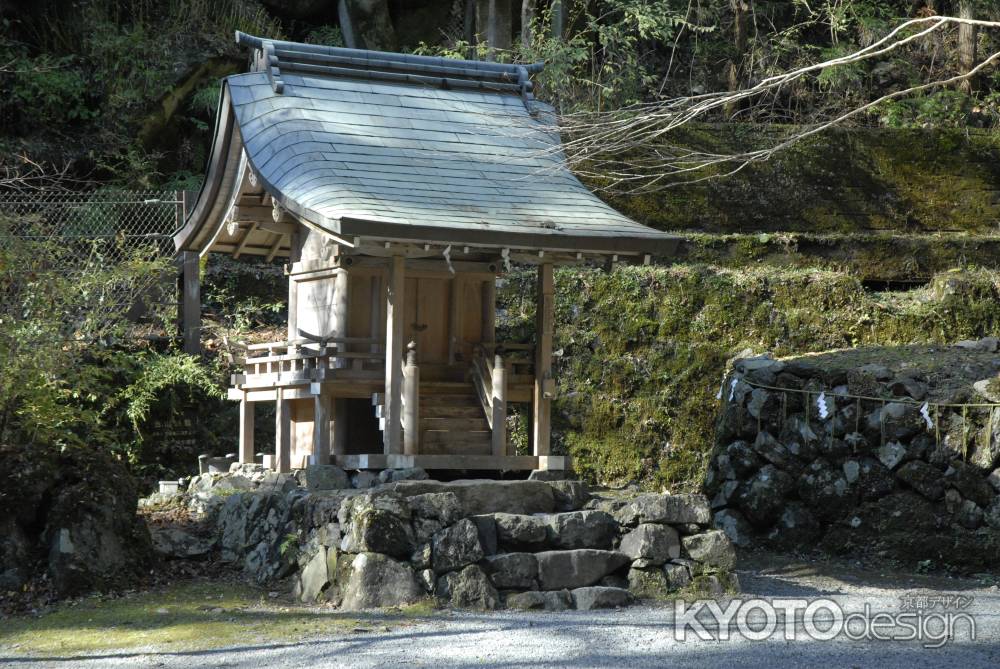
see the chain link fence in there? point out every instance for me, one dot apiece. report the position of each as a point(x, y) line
point(83, 232)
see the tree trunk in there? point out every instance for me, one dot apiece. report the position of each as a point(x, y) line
point(493, 25)
point(968, 37)
point(741, 28)
point(527, 22)
point(558, 18)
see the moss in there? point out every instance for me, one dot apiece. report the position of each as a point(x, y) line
point(644, 348)
point(188, 615)
point(844, 180)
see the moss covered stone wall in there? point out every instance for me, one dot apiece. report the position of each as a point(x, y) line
point(841, 181)
point(643, 349)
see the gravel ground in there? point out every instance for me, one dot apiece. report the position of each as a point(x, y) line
point(637, 637)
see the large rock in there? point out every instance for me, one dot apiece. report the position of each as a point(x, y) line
point(650, 583)
point(761, 498)
point(826, 490)
point(577, 568)
point(513, 571)
point(379, 524)
point(481, 497)
point(175, 542)
point(316, 575)
point(797, 527)
point(971, 482)
point(712, 549)
point(569, 495)
point(324, 477)
point(519, 531)
point(376, 581)
point(735, 526)
point(924, 478)
point(651, 542)
point(469, 588)
point(405, 474)
point(668, 509)
point(456, 547)
point(775, 452)
point(599, 597)
point(581, 529)
point(433, 512)
point(556, 600)
point(15, 555)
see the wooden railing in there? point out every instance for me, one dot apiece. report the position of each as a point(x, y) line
point(491, 371)
point(303, 360)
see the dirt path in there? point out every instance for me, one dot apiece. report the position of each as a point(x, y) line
point(638, 637)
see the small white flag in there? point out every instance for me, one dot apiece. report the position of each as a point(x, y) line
point(505, 256)
point(722, 386)
point(447, 258)
point(824, 412)
point(925, 411)
point(732, 389)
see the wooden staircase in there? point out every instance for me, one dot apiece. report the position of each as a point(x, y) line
point(451, 415)
point(452, 420)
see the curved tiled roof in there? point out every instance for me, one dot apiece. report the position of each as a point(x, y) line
point(392, 146)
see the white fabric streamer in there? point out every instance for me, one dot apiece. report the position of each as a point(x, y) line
point(925, 411)
point(505, 254)
point(447, 258)
point(722, 386)
point(732, 389)
point(824, 411)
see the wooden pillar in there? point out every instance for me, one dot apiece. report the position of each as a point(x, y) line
point(321, 430)
point(542, 396)
point(489, 311)
point(341, 309)
point(411, 402)
point(190, 303)
point(454, 321)
point(394, 316)
point(246, 430)
point(499, 404)
point(294, 255)
point(283, 433)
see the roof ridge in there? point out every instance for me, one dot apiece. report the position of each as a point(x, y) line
point(274, 56)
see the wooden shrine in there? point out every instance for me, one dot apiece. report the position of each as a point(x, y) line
point(398, 188)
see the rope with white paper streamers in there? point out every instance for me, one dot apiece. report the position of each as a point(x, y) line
point(824, 399)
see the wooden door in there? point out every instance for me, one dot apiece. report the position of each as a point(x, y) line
point(427, 307)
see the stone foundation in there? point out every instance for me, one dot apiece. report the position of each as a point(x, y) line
point(481, 544)
point(870, 477)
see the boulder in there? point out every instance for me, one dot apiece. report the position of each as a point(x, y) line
point(578, 568)
point(891, 454)
point(775, 452)
point(376, 580)
point(971, 482)
point(735, 526)
point(761, 498)
point(315, 577)
point(668, 509)
point(456, 547)
point(569, 495)
point(648, 583)
point(922, 477)
point(873, 480)
point(469, 588)
point(379, 524)
point(512, 571)
point(521, 531)
point(711, 548)
point(364, 480)
point(405, 474)
point(580, 529)
point(797, 527)
point(487, 527)
point(742, 458)
point(433, 512)
point(652, 542)
point(481, 497)
point(969, 515)
point(678, 575)
point(992, 514)
point(324, 477)
point(599, 597)
point(558, 600)
point(994, 479)
point(826, 490)
point(175, 542)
